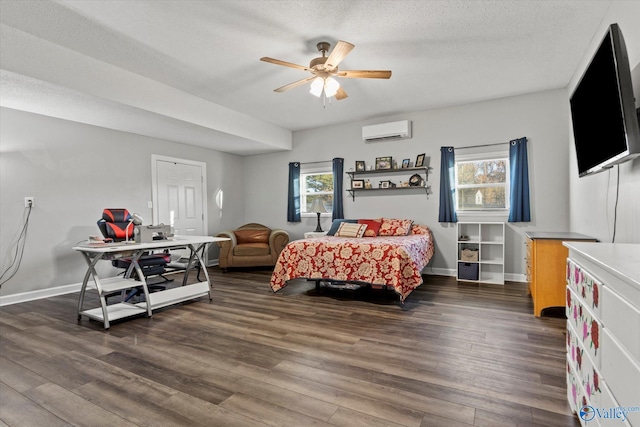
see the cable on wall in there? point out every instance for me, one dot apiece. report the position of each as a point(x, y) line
point(16, 260)
point(615, 208)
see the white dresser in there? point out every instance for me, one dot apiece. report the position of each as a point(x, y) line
point(603, 333)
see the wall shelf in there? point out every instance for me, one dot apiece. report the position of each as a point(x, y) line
point(423, 171)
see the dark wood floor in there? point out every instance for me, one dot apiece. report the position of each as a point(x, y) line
point(455, 355)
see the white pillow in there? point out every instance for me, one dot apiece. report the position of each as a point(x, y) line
point(348, 229)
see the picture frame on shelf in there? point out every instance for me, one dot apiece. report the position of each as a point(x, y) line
point(360, 166)
point(420, 160)
point(357, 184)
point(387, 184)
point(405, 163)
point(384, 162)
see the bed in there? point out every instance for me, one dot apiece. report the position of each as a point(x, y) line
point(391, 261)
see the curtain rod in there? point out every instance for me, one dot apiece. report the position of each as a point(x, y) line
point(312, 163)
point(481, 145)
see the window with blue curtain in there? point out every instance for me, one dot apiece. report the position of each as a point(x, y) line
point(447, 212)
point(485, 181)
point(293, 199)
point(519, 173)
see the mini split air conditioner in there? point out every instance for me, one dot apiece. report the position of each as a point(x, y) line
point(387, 131)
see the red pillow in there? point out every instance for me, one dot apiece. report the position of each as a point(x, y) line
point(373, 225)
point(395, 227)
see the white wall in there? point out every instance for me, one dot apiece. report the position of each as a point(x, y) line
point(74, 171)
point(593, 197)
point(541, 117)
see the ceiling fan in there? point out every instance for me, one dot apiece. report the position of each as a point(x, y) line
point(325, 68)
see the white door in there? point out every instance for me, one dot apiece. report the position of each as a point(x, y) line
point(178, 197)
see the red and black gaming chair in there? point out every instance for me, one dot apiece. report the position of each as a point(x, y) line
point(116, 224)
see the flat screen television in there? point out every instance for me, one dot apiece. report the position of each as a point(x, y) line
point(603, 113)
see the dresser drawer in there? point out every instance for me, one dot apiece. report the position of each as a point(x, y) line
point(621, 374)
point(574, 389)
point(584, 369)
point(585, 325)
point(611, 412)
point(572, 275)
point(623, 322)
point(586, 287)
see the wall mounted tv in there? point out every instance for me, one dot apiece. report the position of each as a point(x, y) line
point(603, 113)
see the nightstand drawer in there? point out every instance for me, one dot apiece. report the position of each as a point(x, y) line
point(313, 234)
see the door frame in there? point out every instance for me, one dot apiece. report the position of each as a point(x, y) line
point(155, 158)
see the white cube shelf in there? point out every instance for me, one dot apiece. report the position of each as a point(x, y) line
point(488, 239)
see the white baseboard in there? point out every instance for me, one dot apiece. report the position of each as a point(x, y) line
point(69, 289)
point(440, 271)
point(39, 294)
point(509, 277)
point(53, 292)
point(512, 277)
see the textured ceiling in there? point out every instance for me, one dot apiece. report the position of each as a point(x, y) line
point(193, 66)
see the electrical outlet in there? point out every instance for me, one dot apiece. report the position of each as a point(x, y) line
point(29, 202)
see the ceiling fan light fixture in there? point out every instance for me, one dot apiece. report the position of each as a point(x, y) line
point(331, 87)
point(323, 69)
point(316, 86)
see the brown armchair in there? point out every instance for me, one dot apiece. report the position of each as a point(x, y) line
point(252, 245)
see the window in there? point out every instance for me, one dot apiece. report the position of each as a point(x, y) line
point(482, 182)
point(316, 182)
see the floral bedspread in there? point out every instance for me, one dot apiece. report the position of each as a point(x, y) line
point(394, 261)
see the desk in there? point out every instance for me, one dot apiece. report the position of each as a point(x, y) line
point(93, 253)
point(546, 267)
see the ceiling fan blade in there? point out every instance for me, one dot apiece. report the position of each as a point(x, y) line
point(285, 63)
point(294, 84)
point(365, 74)
point(338, 53)
point(341, 94)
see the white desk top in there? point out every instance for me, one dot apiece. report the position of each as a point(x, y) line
point(156, 244)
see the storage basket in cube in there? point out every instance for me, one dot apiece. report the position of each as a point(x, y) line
point(468, 270)
point(468, 254)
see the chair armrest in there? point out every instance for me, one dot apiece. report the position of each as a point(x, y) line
point(230, 235)
point(226, 248)
point(278, 239)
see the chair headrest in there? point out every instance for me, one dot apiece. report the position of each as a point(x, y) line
point(116, 215)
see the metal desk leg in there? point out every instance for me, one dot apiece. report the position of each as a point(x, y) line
point(91, 262)
point(195, 253)
point(203, 266)
point(143, 280)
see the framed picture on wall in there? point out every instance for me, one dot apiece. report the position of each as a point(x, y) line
point(359, 165)
point(420, 160)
